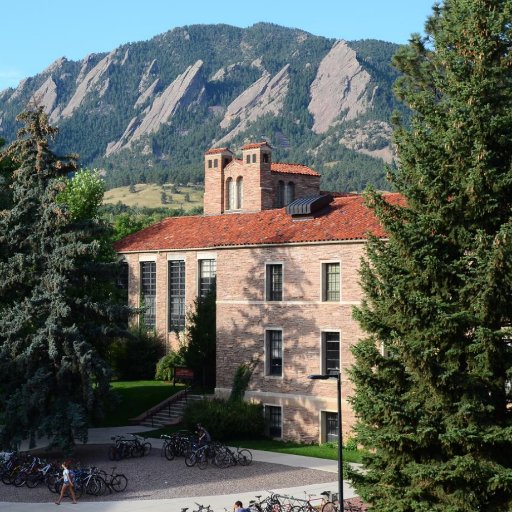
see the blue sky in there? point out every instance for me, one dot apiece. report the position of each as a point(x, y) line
point(36, 32)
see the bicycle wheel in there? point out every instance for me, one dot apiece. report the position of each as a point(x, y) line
point(330, 506)
point(169, 452)
point(202, 460)
point(20, 479)
point(146, 447)
point(244, 457)
point(33, 481)
point(137, 451)
point(119, 483)
point(190, 459)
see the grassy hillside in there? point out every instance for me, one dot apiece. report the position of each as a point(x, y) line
point(153, 196)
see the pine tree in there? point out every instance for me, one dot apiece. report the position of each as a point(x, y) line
point(56, 291)
point(433, 377)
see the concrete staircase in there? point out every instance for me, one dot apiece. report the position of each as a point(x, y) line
point(169, 414)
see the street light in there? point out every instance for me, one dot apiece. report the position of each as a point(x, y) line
point(336, 376)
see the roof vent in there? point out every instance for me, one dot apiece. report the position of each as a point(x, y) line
point(308, 206)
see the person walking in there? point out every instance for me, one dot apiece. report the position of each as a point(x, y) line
point(67, 484)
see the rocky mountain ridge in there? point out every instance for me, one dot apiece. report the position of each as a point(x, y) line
point(159, 104)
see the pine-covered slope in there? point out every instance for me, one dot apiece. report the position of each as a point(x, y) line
point(146, 111)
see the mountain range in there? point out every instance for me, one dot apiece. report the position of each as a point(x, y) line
point(147, 111)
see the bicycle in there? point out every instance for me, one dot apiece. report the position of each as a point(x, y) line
point(116, 482)
point(225, 457)
point(123, 447)
point(199, 456)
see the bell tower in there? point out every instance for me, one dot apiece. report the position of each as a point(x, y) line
point(215, 160)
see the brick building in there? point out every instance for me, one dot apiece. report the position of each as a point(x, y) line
point(285, 260)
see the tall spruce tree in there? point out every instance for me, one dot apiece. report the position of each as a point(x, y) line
point(433, 377)
point(56, 309)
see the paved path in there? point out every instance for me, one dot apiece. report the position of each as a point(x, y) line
point(218, 503)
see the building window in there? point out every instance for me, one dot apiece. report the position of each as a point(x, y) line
point(209, 164)
point(239, 193)
point(248, 159)
point(280, 194)
point(254, 158)
point(266, 158)
point(331, 427)
point(176, 295)
point(148, 293)
point(274, 282)
point(273, 421)
point(289, 192)
point(331, 282)
point(207, 274)
point(331, 352)
point(230, 194)
point(216, 163)
point(274, 340)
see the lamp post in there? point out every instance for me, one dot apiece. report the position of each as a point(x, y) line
point(336, 376)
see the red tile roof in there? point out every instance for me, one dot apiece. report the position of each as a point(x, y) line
point(284, 167)
point(347, 219)
point(212, 151)
point(255, 145)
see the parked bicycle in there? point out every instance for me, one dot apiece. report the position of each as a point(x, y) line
point(226, 457)
point(128, 447)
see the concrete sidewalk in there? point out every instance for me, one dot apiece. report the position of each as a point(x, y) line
point(218, 503)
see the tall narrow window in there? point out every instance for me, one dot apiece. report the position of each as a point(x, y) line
point(331, 427)
point(230, 194)
point(280, 194)
point(275, 353)
point(254, 158)
point(239, 193)
point(274, 282)
point(207, 274)
point(331, 282)
point(289, 192)
point(273, 421)
point(331, 353)
point(148, 292)
point(216, 163)
point(248, 159)
point(209, 164)
point(176, 295)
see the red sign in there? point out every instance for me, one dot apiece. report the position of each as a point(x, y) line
point(183, 373)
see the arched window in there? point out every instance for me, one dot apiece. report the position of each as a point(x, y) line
point(230, 194)
point(289, 192)
point(280, 194)
point(239, 192)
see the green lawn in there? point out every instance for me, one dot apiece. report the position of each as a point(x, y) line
point(135, 397)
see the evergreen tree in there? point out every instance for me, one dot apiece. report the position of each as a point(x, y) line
point(201, 339)
point(433, 377)
point(6, 169)
point(56, 290)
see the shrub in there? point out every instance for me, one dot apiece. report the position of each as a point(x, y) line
point(226, 420)
point(135, 358)
point(165, 366)
point(241, 381)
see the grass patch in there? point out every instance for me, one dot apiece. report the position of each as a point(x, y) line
point(135, 397)
point(323, 451)
point(150, 195)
